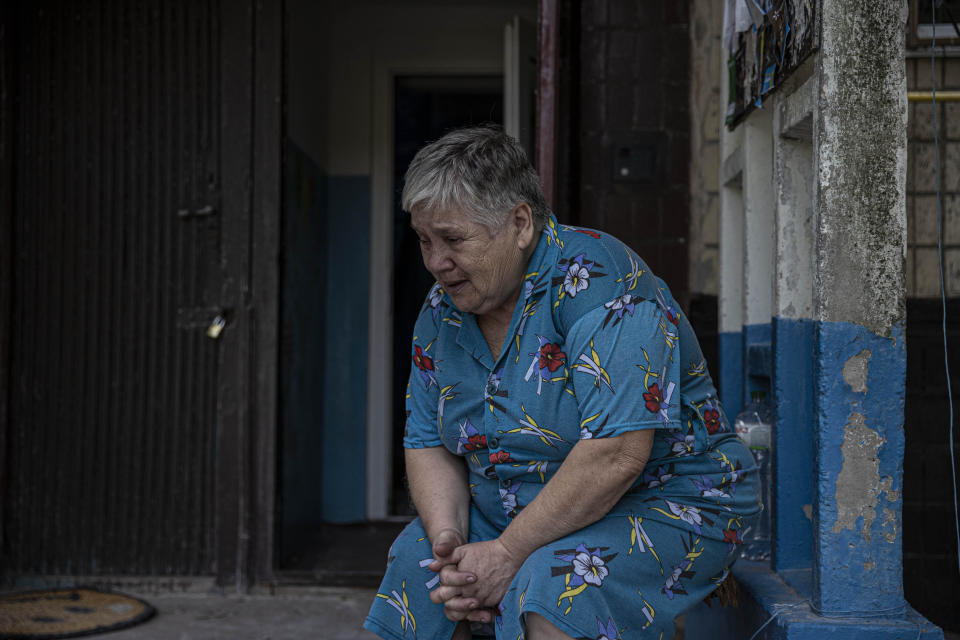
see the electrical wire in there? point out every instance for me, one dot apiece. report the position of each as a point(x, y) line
point(779, 608)
point(943, 291)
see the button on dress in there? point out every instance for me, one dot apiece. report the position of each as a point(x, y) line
point(597, 347)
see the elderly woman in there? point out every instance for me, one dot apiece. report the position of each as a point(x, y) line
point(572, 469)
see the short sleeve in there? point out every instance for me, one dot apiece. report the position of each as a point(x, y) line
point(423, 390)
point(625, 367)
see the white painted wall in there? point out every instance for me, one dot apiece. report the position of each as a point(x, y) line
point(355, 38)
point(767, 213)
point(758, 212)
point(731, 227)
point(335, 48)
point(795, 222)
point(307, 81)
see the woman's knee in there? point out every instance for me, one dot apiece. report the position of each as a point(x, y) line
point(539, 628)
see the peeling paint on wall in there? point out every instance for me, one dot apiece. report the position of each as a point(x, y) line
point(860, 444)
point(855, 371)
point(890, 520)
point(858, 483)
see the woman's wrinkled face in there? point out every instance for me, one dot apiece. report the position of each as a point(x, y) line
point(481, 269)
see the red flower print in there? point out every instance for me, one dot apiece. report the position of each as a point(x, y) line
point(551, 357)
point(423, 361)
point(588, 232)
point(476, 441)
point(732, 536)
point(711, 418)
point(654, 397)
point(499, 457)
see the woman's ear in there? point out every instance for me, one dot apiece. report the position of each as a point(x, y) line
point(521, 217)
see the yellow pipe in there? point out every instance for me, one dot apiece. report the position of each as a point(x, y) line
point(927, 96)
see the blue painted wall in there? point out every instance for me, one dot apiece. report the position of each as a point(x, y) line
point(347, 275)
point(323, 383)
point(758, 365)
point(793, 453)
point(303, 300)
point(777, 358)
point(730, 373)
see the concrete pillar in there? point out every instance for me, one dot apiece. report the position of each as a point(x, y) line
point(860, 152)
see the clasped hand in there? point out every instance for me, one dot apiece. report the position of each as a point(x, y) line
point(473, 577)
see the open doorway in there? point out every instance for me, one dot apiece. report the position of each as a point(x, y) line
point(425, 108)
point(367, 84)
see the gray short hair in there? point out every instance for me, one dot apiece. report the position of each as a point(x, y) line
point(481, 171)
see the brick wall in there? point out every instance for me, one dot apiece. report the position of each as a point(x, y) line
point(634, 70)
point(922, 276)
point(930, 578)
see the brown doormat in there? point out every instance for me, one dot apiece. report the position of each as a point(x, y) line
point(66, 613)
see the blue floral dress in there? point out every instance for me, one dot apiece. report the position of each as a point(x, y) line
point(597, 347)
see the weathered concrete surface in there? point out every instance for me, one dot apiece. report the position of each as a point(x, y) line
point(860, 152)
point(859, 463)
point(328, 613)
point(855, 371)
point(859, 484)
point(861, 158)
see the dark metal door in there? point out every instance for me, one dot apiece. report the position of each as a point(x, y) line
point(131, 235)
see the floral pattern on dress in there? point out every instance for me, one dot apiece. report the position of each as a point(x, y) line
point(470, 438)
point(400, 602)
point(508, 499)
point(619, 306)
point(611, 353)
point(548, 357)
point(608, 630)
point(586, 568)
point(592, 366)
point(426, 365)
point(577, 274)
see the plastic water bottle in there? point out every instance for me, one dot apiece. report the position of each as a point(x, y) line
point(754, 425)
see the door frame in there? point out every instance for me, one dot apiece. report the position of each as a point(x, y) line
point(548, 79)
point(251, 112)
point(7, 146)
point(379, 471)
